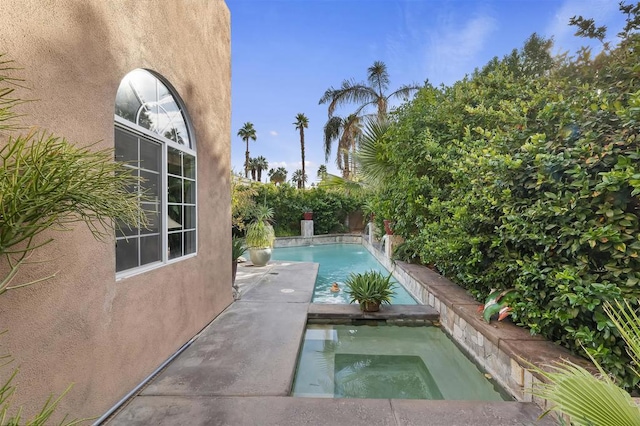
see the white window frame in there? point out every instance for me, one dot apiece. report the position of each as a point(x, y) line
point(165, 143)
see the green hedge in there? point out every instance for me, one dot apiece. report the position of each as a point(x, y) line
point(514, 179)
point(330, 208)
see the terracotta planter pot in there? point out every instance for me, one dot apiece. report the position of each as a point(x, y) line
point(371, 306)
point(387, 227)
point(234, 269)
point(308, 215)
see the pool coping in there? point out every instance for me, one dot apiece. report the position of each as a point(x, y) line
point(396, 314)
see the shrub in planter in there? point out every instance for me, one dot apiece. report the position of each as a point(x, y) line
point(370, 289)
point(260, 236)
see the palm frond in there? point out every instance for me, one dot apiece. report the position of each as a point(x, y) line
point(371, 156)
point(404, 92)
point(331, 132)
point(587, 400)
point(626, 320)
point(351, 92)
point(336, 182)
point(378, 76)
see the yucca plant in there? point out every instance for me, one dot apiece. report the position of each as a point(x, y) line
point(369, 289)
point(589, 400)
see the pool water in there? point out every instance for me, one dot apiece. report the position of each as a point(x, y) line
point(387, 361)
point(337, 261)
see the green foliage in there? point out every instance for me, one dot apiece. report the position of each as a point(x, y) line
point(369, 287)
point(242, 202)
point(526, 175)
point(46, 182)
point(588, 400)
point(260, 233)
point(237, 248)
point(330, 208)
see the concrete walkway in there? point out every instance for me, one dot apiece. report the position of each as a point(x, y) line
point(240, 371)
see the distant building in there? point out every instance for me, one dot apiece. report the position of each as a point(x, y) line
point(152, 80)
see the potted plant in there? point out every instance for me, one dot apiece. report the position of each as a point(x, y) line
point(237, 249)
point(260, 236)
point(387, 227)
point(308, 214)
point(369, 289)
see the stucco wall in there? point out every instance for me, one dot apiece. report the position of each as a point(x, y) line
point(83, 326)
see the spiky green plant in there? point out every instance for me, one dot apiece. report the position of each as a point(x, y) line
point(588, 400)
point(48, 183)
point(370, 287)
point(260, 233)
point(237, 248)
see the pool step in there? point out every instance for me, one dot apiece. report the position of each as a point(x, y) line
point(396, 314)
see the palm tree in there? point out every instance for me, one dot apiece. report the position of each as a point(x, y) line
point(247, 132)
point(346, 131)
point(253, 167)
point(278, 175)
point(322, 171)
point(302, 122)
point(299, 178)
point(366, 94)
point(261, 164)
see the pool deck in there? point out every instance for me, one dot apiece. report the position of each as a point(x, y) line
point(240, 370)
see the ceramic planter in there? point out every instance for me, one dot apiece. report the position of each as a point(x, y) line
point(260, 256)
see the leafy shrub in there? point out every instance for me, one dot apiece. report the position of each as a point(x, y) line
point(529, 180)
point(330, 208)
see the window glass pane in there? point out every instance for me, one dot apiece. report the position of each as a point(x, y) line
point(174, 189)
point(144, 84)
point(150, 154)
point(126, 254)
point(126, 147)
point(181, 130)
point(123, 230)
point(146, 118)
point(150, 249)
point(151, 185)
point(127, 104)
point(189, 242)
point(175, 217)
point(189, 166)
point(131, 188)
point(175, 245)
point(174, 162)
point(189, 217)
point(189, 191)
point(163, 92)
point(152, 213)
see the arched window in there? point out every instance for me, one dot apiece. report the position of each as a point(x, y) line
point(153, 137)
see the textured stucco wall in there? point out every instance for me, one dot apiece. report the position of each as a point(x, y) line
point(83, 327)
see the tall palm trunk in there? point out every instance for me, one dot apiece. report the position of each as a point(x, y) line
point(246, 160)
point(302, 151)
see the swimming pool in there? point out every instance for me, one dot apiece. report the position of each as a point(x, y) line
point(337, 261)
point(388, 361)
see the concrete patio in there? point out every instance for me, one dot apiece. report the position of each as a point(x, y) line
point(240, 370)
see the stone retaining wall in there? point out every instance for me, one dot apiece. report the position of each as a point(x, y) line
point(501, 348)
point(318, 240)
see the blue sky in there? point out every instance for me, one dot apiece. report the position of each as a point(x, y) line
point(286, 53)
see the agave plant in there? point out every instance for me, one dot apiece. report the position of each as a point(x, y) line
point(369, 289)
point(237, 248)
point(589, 400)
